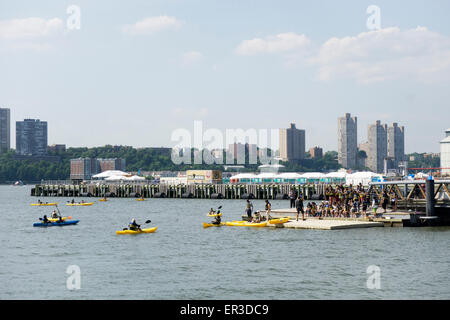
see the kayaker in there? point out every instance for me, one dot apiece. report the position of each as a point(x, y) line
point(45, 219)
point(212, 211)
point(73, 201)
point(54, 214)
point(249, 209)
point(39, 201)
point(217, 220)
point(134, 226)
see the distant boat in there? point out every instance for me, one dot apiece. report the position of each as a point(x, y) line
point(18, 183)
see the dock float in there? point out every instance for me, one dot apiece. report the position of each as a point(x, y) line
point(323, 224)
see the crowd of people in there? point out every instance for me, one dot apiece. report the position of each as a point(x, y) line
point(345, 202)
point(340, 202)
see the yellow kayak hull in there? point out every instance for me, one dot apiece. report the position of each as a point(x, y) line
point(80, 204)
point(149, 230)
point(44, 204)
point(62, 218)
point(102, 200)
point(279, 221)
point(246, 224)
point(207, 225)
point(140, 199)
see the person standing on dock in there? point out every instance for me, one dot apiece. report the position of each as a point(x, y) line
point(292, 197)
point(299, 207)
point(268, 207)
point(249, 209)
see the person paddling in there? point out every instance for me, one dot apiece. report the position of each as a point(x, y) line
point(45, 219)
point(134, 226)
point(54, 214)
point(217, 219)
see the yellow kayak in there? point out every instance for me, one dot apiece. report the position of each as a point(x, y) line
point(140, 199)
point(102, 200)
point(45, 204)
point(214, 215)
point(80, 204)
point(207, 225)
point(279, 220)
point(245, 224)
point(149, 230)
point(57, 219)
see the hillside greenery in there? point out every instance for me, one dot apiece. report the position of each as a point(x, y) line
point(144, 159)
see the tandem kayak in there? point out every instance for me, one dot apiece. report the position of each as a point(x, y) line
point(52, 224)
point(279, 220)
point(207, 225)
point(44, 204)
point(149, 230)
point(80, 204)
point(246, 224)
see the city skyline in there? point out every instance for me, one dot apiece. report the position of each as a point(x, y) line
point(393, 149)
point(142, 71)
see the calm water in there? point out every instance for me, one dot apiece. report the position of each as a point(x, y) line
point(184, 261)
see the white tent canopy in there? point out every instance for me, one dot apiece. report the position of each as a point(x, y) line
point(339, 174)
point(243, 176)
point(266, 175)
point(364, 177)
point(110, 173)
point(313, 175)
point(125, 178)
point(289, 175)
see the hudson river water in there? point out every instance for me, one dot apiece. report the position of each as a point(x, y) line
point(184, 261)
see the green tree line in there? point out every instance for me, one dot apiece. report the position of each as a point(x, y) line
point(144, 159)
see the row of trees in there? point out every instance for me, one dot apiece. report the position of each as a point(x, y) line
point(144, 159)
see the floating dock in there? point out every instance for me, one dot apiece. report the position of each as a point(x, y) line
point(327, 224)
point(390, 219)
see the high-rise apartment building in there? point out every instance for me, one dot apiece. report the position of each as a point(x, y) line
point(445, 154)
point(316, 152)
point(292, 144)
point(377, 146)
point(85, 168)
point(5, 129)
point(31, 137)
point(396, 144)
point(348, 141)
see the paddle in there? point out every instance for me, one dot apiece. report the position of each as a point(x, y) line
point(148, 221)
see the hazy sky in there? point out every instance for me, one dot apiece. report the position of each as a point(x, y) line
point(137, 70)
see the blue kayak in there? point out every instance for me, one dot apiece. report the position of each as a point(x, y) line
point(51, 224)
